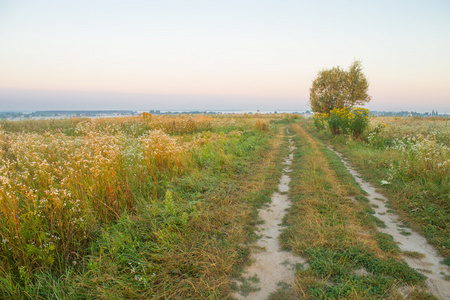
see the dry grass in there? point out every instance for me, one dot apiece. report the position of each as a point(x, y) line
point(335, 234)
point(147, 207)
point(408, 159)
point(327, 195)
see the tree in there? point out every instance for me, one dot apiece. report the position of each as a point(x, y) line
point(337, 88)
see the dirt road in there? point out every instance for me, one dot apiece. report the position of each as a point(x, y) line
point(272, 267)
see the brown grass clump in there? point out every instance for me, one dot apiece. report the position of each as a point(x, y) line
point(262, 125)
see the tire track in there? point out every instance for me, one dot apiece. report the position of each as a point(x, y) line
point(271, 266)
point(429, 265)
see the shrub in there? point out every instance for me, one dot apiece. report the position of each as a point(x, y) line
point(359, 121)
point(320, 120)
point(351, 121)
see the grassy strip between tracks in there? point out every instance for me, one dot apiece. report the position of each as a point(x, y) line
point(408, 162)
point(332, 226)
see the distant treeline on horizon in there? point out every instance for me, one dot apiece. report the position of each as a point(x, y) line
point(109, 113)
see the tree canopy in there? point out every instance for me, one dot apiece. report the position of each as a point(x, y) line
point(338, 88)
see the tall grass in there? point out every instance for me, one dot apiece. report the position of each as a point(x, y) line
point(421, 158)
point(331, 225)
point(400, 127)
point(123, 196)
point(409, 159)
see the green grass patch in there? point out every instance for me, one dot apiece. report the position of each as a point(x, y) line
point(246, 286)
point(387, 243)
point(414, 254)
point(446, 261)
point(405, 233)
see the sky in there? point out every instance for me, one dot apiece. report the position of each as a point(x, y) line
point(205, 54)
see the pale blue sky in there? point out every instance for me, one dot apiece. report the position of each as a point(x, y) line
point(219, 54)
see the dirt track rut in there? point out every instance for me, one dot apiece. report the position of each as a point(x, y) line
point(272, 265)
point(430, 264)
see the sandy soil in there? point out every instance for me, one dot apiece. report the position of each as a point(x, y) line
point(272, 266)
point(429, 265)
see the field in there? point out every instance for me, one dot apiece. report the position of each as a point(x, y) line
point(165, 207)
point(408, 159)
point(147, 207)
point(331, 224)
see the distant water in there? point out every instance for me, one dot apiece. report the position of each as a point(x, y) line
point(228, 111)
point(174, 111)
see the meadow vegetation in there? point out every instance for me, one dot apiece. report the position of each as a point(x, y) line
point(408, 159)
point(135, 208)
point(332, 226)
point(344, 121)
point(163, 207)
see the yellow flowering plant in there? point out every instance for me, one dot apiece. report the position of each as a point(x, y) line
point(320, 120)
point(347, 120)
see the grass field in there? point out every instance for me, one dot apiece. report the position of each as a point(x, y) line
point(132, 208)
point(408, 159)
point(164, 207)
point(332, 226)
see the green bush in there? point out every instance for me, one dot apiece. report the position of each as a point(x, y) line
point(352, 121)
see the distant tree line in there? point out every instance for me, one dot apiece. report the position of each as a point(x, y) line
point(408, 114)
